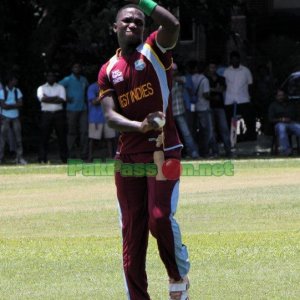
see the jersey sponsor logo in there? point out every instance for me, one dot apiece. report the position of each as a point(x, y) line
point(117, 76)
point(139, 65)
point(139, 93)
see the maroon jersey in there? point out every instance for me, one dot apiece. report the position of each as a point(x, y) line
point(141, 84)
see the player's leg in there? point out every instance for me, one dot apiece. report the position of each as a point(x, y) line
point(162, 205)
point(46, 129)
point(132, 197)
point(110, 136)
point(83, 131)
point(95, 135)
point(3, 136)
point(18, 134)
point(72, 130)
point(283, 140)
point(60, 129)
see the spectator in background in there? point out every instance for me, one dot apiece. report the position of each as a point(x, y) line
point(52, 96)
point(190, 97)
point(77, 124)
point(178, 109)
point(263, 94)
point(283, 115)
point(238, 83)
point(10, 135)
point(11, 102)
point(204, 120)
point(97, 124)
point(220, 126)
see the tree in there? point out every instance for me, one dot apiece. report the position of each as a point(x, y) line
point(36, 34)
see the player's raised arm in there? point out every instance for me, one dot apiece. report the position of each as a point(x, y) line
point(169, 25)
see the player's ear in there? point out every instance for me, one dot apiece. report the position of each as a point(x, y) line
point(115, 27)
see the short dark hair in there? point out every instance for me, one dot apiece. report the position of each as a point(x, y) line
point(212, 62)
point(50, 71)
point(235, 54)
point(128, 6)
point(201, 66)
point(10, 77)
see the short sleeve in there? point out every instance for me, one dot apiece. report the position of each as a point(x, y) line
point(92, 92)
point(62, 92)
point(105, 85)
point(249, 77)
point(1, 95)
point(225, 75)
point(206, 87)
point(64, 82)
point(163, 54)
point(19, 94)
point(40, 93)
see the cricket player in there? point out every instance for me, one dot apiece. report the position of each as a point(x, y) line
point(135, 89)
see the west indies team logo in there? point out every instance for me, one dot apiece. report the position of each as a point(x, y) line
point(117, 76)
point(139, 65)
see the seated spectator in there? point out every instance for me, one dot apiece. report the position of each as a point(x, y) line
point(52, 96)
point(178, 109)
point(217, 88)
point(283, 115)
point(263, 94)
point(11, 102)
point(97, 124)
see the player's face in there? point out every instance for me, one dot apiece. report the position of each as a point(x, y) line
point(212, 68)
point(76, 69)
point(130, 26)
point(51, 78)
point(280, 96)
point(235, 61)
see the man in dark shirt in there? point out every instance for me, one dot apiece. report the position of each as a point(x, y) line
point(217, 88)
point(283, 114)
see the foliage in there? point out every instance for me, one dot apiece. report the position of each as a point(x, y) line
point(35, 35)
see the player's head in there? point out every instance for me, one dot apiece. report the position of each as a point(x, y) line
point(201, 66)
point(129, 25)
point(76, 68)
point(11, 80)
point(212, 67)
point(50, 76)
point(191, 66)
point(235, 59)
point(280, 95)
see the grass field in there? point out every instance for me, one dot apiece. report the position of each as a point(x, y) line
point(60, 238)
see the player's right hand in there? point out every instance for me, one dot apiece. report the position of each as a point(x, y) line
point(149, 124)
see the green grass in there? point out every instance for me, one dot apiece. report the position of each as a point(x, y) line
point(60, 238)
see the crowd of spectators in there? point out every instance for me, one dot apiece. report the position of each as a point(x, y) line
point(206, 98)
point(69, 107)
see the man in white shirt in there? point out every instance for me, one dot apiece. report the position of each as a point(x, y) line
point(238, 85)
point(204, 118)
point(52, 96)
